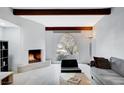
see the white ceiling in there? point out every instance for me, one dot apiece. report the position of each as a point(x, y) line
point(85, 20)
point(64, 20)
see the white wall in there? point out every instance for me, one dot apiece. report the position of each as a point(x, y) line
point(110, 35)
point(12, 35)
point(32, 35)
point(52, 40)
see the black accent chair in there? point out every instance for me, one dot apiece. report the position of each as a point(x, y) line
point(70, 66)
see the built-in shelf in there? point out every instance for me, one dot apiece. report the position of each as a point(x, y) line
point(4, 56)
point(3, 49)
point(4, 66)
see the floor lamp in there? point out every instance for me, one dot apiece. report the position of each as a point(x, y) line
point(90, 46)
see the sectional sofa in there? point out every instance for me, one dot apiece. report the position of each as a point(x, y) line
point(109, 76)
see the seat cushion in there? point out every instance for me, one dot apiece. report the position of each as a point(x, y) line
point(70, 70)
point(107, 76)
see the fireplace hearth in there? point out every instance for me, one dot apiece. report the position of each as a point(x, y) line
point(34, 56)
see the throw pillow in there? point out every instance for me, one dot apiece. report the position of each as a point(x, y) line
point(102, 63)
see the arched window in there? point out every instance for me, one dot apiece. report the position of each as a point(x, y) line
point(67, 46)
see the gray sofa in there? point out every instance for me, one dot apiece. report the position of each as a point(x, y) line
point(113, 76)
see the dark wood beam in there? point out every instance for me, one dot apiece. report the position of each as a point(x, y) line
point(104, 11)
point(86, 28)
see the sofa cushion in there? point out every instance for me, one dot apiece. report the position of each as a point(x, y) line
point(107, 76)
point(69, 63)
point(117, 65)
point(101, 62)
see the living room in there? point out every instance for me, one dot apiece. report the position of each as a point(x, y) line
point(25, 33)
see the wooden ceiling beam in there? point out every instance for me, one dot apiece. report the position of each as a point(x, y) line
point(86, 28)
point(104, 11)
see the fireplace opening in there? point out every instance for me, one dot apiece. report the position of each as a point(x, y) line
point(34, 56)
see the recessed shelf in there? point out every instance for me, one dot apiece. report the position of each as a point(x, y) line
point(4, 55)
point(4, 66)
point(3, 49)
